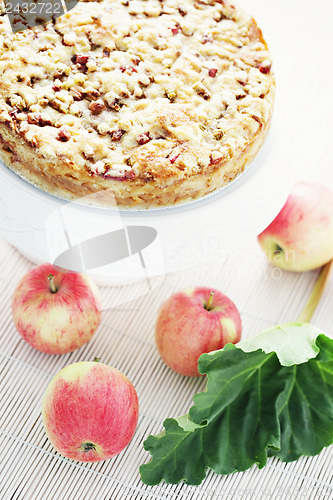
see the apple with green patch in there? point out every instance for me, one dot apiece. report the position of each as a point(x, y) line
point(56, 312)
point(192, 322)
point(90, 411)
point(300, 238)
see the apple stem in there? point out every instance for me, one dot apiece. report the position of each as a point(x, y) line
point(316, 294)
point(278, 250)
point(97, 360)
point(88, 447)
point(209, 303)
point(52, 285)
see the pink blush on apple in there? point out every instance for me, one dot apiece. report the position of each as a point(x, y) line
point(192, 322)
point(90, 411)
point(55, 312)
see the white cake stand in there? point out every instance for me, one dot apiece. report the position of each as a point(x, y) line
point(43, 227)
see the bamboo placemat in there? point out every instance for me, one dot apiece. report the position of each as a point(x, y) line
point(32, 469)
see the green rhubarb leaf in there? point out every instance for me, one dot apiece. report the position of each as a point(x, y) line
point(181, 438)
point(305, 407)
point(253, 407)
point(293, 343)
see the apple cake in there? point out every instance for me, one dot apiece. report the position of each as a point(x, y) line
point(158, 101)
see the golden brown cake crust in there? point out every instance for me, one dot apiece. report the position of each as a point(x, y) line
point(160, 103)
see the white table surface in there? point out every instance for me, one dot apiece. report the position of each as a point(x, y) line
point(301, 39)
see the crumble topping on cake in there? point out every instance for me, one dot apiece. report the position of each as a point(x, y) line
point(155, 95)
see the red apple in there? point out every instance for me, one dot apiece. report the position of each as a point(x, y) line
point(55, 312)
point(300, 238)
point(90, 411)
point(192, 322)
